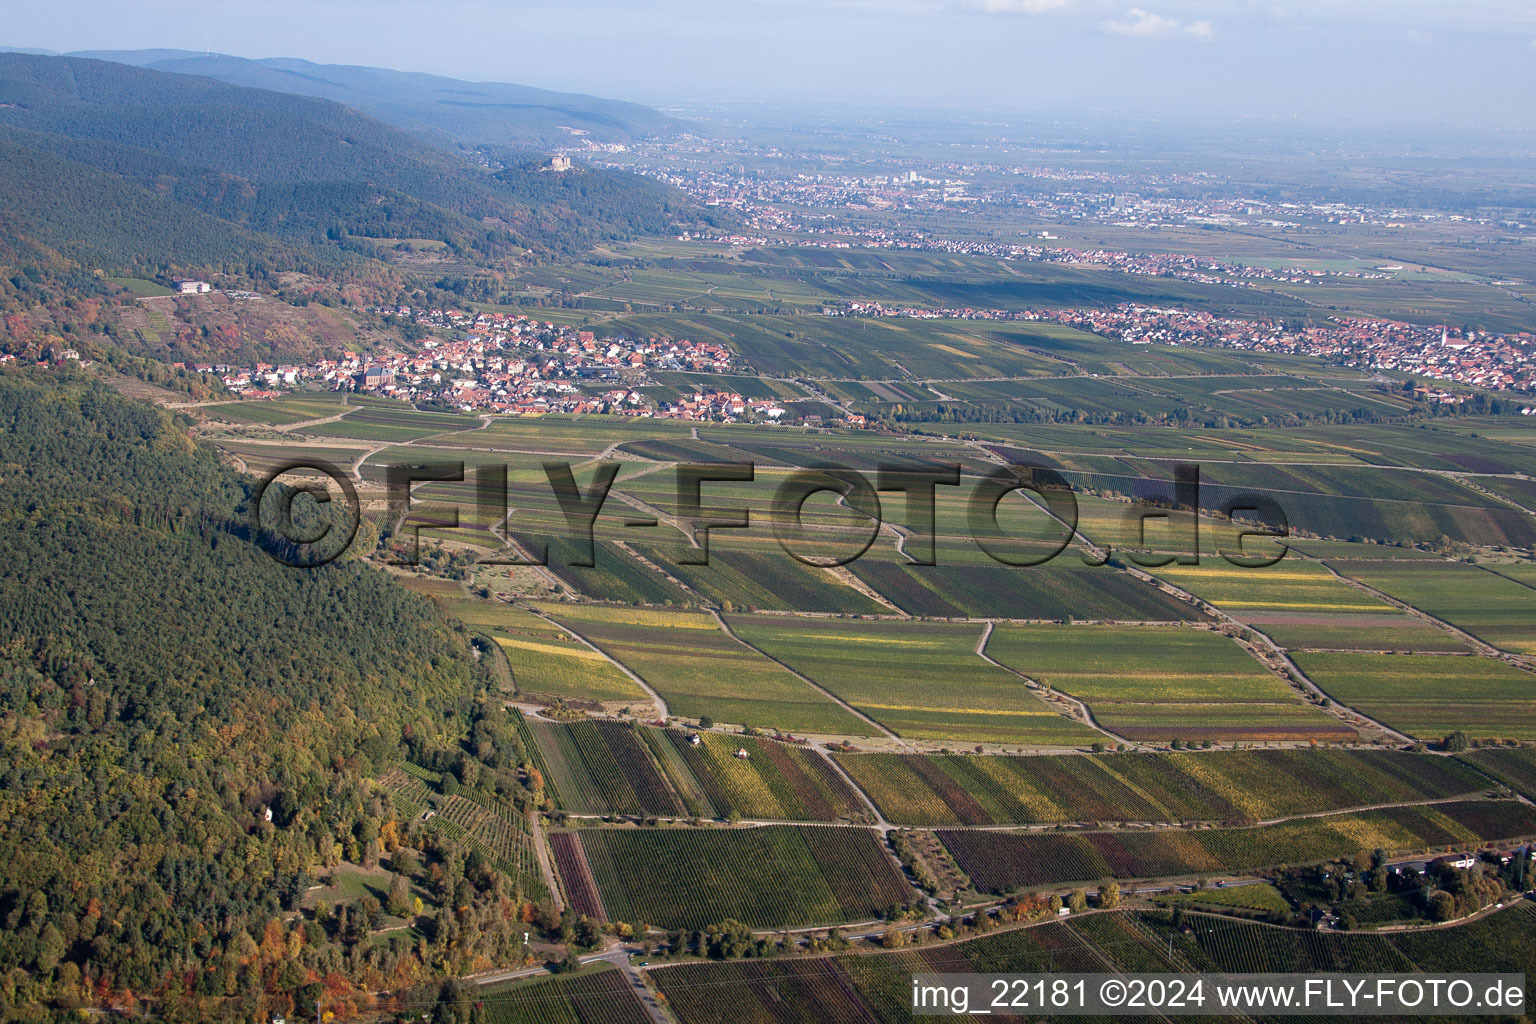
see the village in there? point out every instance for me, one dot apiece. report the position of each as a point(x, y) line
point(1482, 359)
point(502, 363)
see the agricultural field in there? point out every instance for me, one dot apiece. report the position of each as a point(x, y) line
point(1521, 572)
point(763, 578)
point(1003, 861)
point(546, 662)
point(260, 459)
point(1396, 633)
point(606, 767)
point(1299, 604)
point(1057, 590)
point(1431, 696)
point(1514, 766)
point(615, 575)
point(562, 435)
point(772, 876)
point(602, 767)
point(700, 671)
point(1262, 899)
point(876, 989)
point(599, 996)
point(291, 409)
point(394, 421)
point(575, 874)
point(1467, 518)
point(1494, 608)
point(775, 781)
point(1218, 786)
point(920, 679)
point(1156, 684)
point(1521, 492)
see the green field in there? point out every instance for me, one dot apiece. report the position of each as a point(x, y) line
point(1056, 590)
point(763, 577)
point(139, 287)
point(1156, 684)
point(1514, 766)
point(605, 767)
point(1493, 608)
point(919, 679)
point(1431, 696)
point(281, 411)
point(599, 996)
point(767, 877)
point(601, 767)
point(701, 672)
point(1220, 786)
point(544, 659)
point(775, 781)
point(1299, 604)
point(1002, 861)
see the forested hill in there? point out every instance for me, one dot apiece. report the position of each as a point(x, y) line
point(163, 682)
point(52, 208)
point(310, 172)
point(470, 113)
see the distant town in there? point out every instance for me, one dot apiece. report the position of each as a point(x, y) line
point(1498, 362)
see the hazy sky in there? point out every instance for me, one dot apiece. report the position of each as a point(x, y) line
point(1470, 62)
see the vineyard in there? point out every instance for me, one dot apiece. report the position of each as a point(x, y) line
point(1002, 861)
point(497, 832)
point(1156, 684)
point(1220, 786)
point(555, 667)
point(776, 781)
point(700, 671)
point(1514, 766)
point(768, 877)
point(576, 875)
point(1430, 697)
point(919, 679)
point(763, 579)
point(409, 791)
point(876, 989)
point(1037, 592)
point(601, 767)
point(1492, 607)
point(605, 767)
point(601, 997)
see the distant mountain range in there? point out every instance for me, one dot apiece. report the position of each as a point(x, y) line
point(444, 111)
point(113, 165)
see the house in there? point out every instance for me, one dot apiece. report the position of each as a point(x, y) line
point(693, 738)
point(193, 287)
point(1461, 862)
point(741, 754)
